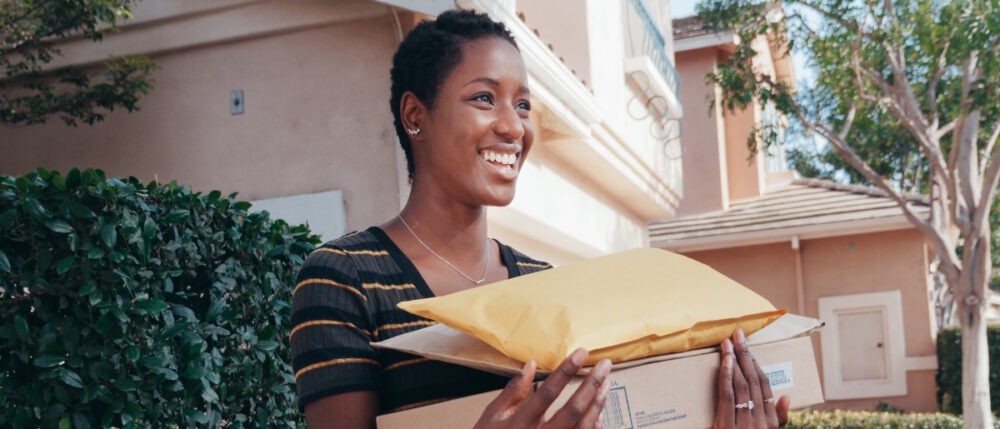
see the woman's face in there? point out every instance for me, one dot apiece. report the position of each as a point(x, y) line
point(474, 141)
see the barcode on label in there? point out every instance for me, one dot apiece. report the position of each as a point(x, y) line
point(617, 414)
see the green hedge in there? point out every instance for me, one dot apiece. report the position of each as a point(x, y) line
point(142, 305)
point(870, 420)
point(949, 374)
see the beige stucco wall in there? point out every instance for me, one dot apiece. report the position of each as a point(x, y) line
point(705, 178)
point(745, 173)
point(311, 118)
point(893, 260)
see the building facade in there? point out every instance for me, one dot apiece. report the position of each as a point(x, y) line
point(287, 104)
point(841, 253)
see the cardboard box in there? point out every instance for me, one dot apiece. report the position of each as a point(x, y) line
point(672, 391)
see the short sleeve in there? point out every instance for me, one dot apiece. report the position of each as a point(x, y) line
point(332, 329)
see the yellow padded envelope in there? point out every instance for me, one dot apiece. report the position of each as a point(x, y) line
point(624, 306)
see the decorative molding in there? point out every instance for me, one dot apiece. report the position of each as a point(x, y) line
point(921, 363)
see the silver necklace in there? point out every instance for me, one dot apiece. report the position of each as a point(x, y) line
point(486, 261)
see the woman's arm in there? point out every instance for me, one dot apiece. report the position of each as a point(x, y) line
point(351, 410)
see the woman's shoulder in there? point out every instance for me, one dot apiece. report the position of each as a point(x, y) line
point(524, 263)
point(341, 252)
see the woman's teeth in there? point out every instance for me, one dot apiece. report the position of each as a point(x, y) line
point(506, 159)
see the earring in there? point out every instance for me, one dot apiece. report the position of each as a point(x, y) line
point(413, 131)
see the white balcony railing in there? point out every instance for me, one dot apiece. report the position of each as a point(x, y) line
point(651, 43)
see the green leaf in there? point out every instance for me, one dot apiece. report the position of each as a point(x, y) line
point(4, 262)
point(126, 385)
point(132, 353)
point(195, 372)
point(133, 409)
point(266, 346)
point(152, 362)
point(108, 234)
point(168, 373)
point(21, 327)
point(65, 423)
point(21, 183)
point(35, 209)
point(73, 178)
point(177, 215)
point(275, 251)
point(48, 361)
point(242, 205)
point(151, 305)
point(87, 288)
point(80, 211)
point(59, 225)
point(71, 378)
point(209, 395)
point(65, 264)
point(95, 253)
point(7, 219)
point(107, 324)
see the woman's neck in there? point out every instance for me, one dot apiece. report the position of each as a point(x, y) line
point(458, 229)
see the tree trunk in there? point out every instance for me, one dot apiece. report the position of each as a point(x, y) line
point(976, 409)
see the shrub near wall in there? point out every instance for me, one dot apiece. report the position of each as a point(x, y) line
point(840, 419)
point(142, 305)
point(949, 373)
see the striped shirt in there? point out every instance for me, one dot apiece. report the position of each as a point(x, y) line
point(345, 298)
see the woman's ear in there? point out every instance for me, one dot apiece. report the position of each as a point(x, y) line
point(412, 113)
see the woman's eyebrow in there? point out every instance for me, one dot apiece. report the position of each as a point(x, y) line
point(493, 82)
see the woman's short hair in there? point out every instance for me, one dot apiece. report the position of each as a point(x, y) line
point(428, 54)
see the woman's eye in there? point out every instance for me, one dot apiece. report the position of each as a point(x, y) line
point(485, 98)
point(524, 105)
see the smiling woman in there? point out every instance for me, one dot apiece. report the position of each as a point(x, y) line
point(461, 103)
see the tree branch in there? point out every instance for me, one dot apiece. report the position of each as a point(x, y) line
point(990, 143)
point(932, 84)
point(943, 249)
point(834, 17)
point(967, 168)
point(990, 181)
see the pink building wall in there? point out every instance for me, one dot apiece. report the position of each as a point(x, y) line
point(306, 112)
point(885, 261)
point(703, 142)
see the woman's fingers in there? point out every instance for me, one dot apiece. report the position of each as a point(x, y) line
point(744, 415)
point(782, 409)
point(516, 390)
point(534, 407)
point(755, 382)
point(582, 409)
point(770, 402)
point(725, 414)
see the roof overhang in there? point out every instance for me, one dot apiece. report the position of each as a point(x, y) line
point(807, 232)
point(721, 39)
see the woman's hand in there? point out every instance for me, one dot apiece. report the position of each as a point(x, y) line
point(745, 397)
point(518, 407)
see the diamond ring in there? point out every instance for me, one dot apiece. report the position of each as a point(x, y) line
point(748, 405)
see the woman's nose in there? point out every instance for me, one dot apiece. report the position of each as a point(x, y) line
point(509, 124)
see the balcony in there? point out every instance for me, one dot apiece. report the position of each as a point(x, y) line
point(647, 57)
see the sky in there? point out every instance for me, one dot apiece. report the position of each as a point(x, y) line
point(682, 8)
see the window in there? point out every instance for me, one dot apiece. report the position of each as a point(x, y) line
point(864, 352)
point(323, 211)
